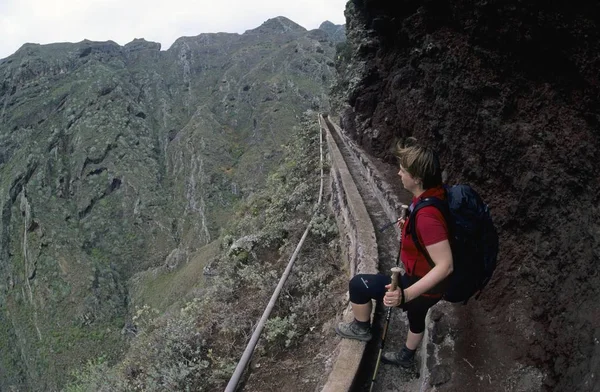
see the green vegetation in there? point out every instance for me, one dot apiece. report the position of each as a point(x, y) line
point(196, 345)
point(343, 53)
point(345, 75)
point(161, 288)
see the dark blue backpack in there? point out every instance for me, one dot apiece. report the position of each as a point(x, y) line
point(473, 239)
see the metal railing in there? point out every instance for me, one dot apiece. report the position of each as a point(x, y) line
point(247, 355)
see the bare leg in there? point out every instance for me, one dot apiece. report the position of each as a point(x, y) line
point(404, 357)
point(413, 340)
point(359, 328)
point(362, 312)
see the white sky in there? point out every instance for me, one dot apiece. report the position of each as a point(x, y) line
point(49, 21)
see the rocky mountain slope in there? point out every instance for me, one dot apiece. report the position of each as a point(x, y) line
point(508, 93)
point(114, 160)
point(337, 33)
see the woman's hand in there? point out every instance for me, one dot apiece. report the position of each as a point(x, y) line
point(400, 223)
point(392, 298)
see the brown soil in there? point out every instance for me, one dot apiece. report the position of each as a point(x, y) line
point(298, 369)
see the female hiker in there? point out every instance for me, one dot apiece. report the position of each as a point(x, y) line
point(421, 175)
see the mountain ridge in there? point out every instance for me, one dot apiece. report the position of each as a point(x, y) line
point(278, 24)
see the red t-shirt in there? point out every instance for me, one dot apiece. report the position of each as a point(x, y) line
point(431, 228)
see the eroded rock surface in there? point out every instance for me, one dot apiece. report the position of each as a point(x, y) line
point(508, 93)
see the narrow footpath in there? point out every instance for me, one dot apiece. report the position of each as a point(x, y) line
point(389, 377)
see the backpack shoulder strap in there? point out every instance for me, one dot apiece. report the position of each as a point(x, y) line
point(412, 223)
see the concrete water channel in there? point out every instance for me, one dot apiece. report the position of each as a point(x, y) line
point(382, 198)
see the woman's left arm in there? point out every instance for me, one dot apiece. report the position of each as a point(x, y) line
point(441, 255)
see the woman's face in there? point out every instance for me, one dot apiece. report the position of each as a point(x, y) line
point(408, 181)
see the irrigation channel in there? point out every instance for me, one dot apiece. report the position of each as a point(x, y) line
point(389, 378)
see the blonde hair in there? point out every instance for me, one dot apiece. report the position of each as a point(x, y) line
point(420, 162)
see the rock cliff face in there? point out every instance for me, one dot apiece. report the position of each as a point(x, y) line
point(508, 93)
point(117, 159)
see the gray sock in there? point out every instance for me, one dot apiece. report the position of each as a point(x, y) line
point(362, 324)
point(407, 352)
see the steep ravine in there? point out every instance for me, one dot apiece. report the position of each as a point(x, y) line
point(507, 93)
point(116, 160)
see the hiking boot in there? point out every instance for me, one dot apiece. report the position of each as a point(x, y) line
point(353, 331)
point(404, 358)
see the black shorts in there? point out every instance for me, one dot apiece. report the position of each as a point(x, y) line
point(363, 288)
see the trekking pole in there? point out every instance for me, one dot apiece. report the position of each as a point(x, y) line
point(395, 274)
point(395, 280)
point(387, 226)
point(383, 228)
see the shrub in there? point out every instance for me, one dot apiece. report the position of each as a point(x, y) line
point(281, 330)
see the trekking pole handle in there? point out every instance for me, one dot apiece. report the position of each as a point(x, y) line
point(403, 212)
point(395, 275)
